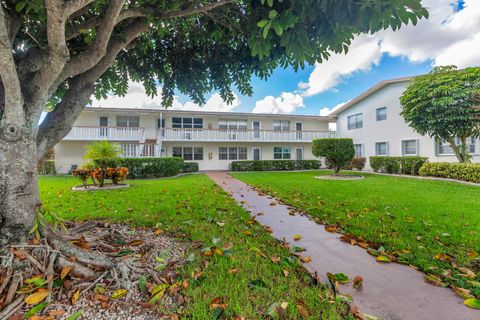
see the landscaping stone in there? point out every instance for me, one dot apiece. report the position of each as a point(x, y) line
point(97, 188)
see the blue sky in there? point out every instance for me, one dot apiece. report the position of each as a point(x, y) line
point(286, 80)
point(451, 36)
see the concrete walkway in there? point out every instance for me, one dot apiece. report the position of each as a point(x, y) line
point(390, 291)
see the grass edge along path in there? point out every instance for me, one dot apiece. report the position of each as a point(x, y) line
point(238, 271)
point(432, 225)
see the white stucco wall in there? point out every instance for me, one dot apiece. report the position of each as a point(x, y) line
point(392, 130)
point(70, 153)
point(211, 152)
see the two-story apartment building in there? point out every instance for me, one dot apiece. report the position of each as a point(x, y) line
point(213, 139)
point(374, 123)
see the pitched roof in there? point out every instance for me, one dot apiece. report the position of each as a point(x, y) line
point(367, 93)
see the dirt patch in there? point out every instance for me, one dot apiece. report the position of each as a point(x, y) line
point(140, 281)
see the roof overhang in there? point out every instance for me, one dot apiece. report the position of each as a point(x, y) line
point(207, 113)
point(379, 86)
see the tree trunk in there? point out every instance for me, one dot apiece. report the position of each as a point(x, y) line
point(336, 170)
point(104, 172)
point(19, 196)
point(460, 151)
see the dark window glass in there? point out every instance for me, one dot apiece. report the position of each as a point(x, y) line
point(242, 153)
point(187, 153)
point(198, 123)
point(232, 153)
point(176, 122)
point(223, 153)
point(177, 152)
point(198, 154)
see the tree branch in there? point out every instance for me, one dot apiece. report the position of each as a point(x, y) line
point(189, 12)
point(12, 105)
point(14, 26)
point(58, 123)
point(145, 12)
point(87, 25)
point(73, 6)
point(57, 57)
point(92, 55)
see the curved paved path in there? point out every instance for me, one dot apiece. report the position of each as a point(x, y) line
point(389, 291)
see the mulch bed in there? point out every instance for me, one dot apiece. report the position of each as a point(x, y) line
point(94, 271)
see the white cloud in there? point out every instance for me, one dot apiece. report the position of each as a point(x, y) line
point(137, 98)
point(326, 110)
point(363, 52)
point(447, 37)
point(286, 103)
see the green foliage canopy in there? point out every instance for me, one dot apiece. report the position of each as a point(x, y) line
point(102, 151)
point(337, 151)
point(445, 104)
point(196, 53)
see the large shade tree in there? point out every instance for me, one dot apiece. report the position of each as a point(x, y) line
point(445, 104)
point(56, 53)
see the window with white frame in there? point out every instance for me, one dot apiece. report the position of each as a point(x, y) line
point(232, 124)
point(381, 149)
point(358, 150)
point(444, 148)
point(279, 125)
point(232, 153)
point(187, 123)
point(355, 121)
point(188, 153)
point(281, 153)
point(409, 147)
point(471, 145)
point(381, 113)
point(128, 121)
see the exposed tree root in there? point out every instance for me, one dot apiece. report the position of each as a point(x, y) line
point(76, 264)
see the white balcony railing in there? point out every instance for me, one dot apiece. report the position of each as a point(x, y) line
point(140, 150)
point(243, 135)
point(108, 133)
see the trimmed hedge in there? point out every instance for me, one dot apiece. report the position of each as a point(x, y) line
point(190, 167)
point(46, 167)
point(144, 168)
point(459, 171)
point(356, 163)
point(404, 165)
point(275, 165)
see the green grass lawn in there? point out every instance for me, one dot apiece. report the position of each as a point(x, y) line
point(424, 217)
point(194, 208)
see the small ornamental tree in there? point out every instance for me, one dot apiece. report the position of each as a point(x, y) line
point(445, 105)
point(102, 152)
point(337, 151)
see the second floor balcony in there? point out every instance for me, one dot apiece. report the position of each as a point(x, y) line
point(108, 133)
point(137, 134)
point(222, 135)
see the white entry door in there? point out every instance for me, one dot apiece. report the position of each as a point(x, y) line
point(256, 129)
point(299, 153)
point(103, 124)
point(257, 153)
point(298, 129)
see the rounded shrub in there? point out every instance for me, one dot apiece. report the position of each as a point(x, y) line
point(337, 151)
